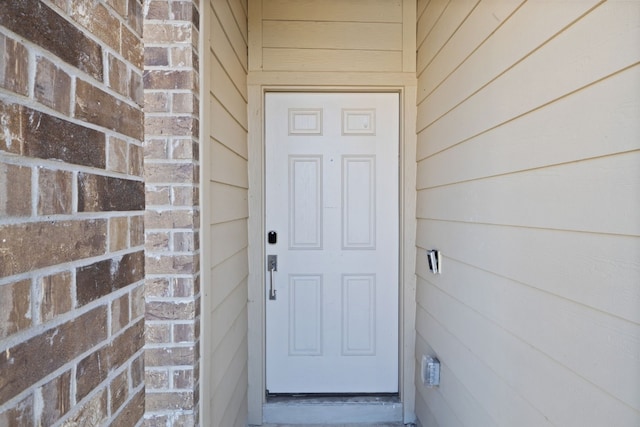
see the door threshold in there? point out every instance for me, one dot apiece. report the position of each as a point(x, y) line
point(332, 409)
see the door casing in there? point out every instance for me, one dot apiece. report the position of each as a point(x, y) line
point(257, 230)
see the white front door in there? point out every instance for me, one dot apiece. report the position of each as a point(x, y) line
point(332, 205)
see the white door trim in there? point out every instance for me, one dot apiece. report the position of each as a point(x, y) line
point(256, 303)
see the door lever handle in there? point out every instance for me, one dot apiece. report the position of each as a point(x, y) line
point(272, 265)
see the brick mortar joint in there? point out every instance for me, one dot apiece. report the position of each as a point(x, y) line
point(38, 50)
point(109, 8)
point(35, 105)
point(44, 327)
point(71, 366)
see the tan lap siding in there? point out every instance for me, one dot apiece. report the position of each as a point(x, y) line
point(528, 182)
point(225, 215)
point(332, 36)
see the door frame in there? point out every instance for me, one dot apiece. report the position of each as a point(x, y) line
point(256, 247)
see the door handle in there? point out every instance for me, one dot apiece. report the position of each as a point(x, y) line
point(272, 265)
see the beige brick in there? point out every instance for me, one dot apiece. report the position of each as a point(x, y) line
point(15, 307)
point(157, 420)
point(55, 195)
point(183, 333)
point(156, 379)
point(169, 219)
point(183, 56)
point(137, 302)
point(117, 151)
point(169, 79)
point(158, 195)
point(155, 148)
point(184, 241)
point(175, 125)
point(183, 379)
point(118, 76)
point(156, 55)
point(158, 287)
point(169, 310)
point(185, 419)
point(157, 241)
point(136, 160)
point(183, 149)
point(118, 233)
point(169, 401)
point(183, 287)
point(178, 264)
point(175, 173)
point(158, 9)
point(136, 231)
point(52, 86)
point(157, 333)
point(185, 196)
point(183, 103)
point(15, 190)
point(55, 291)
point(168, 33)
point(169, 356)
point(184, 11)
point(156, 102)
point(119, 313)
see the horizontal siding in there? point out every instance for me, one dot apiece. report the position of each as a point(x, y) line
point(452, 17)
point(333, 10)
point(550, 197)
point(484, 19)
point(514, 40)
point(332, 36)
point(530, 141)
point(528, 182)
point(611, 27)
point(331, 60)
point(572, 268)
point(226, 161)
point(235, 65)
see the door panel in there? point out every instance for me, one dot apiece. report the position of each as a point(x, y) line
point(331, 196)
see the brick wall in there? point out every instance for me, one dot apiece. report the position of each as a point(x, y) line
point(172, 216)
point(71, 213)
